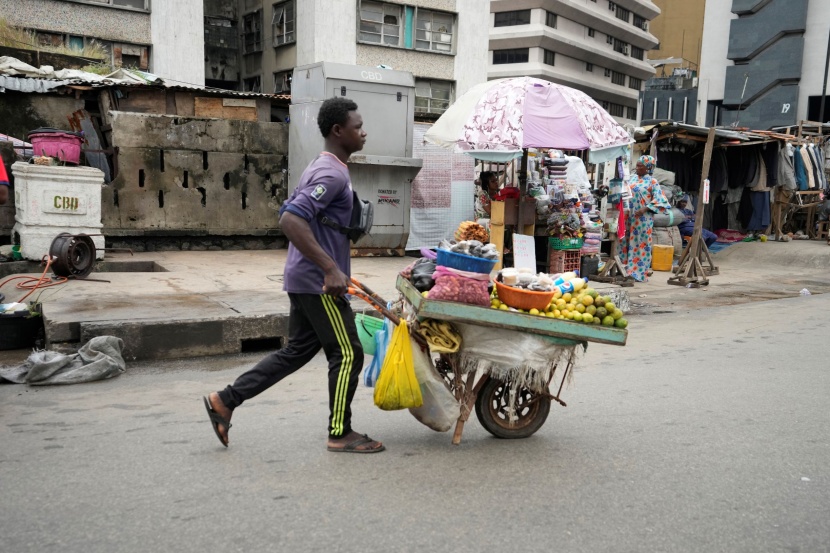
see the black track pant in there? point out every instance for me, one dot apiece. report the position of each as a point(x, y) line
point(316, 321)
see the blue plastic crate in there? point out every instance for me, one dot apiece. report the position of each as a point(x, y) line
point(465, 262)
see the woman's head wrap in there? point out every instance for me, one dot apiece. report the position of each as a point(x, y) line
point(649, 163)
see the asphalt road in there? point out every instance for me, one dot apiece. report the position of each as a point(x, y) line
point(707, 432)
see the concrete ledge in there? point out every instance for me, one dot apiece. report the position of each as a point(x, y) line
point(171, 339)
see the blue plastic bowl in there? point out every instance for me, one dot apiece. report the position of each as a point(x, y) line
point(465, 262)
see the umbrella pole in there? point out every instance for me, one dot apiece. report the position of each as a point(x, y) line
point(530, 229)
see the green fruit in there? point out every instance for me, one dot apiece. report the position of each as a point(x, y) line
point(608, 320)
point(578, 316)
point(587, 318)
point(595, 321)
point(610, 306)
point(601, 312)
point(617, 314)
point(621, 323)
point(592, 309)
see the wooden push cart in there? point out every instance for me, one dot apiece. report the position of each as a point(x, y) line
point(501, 409)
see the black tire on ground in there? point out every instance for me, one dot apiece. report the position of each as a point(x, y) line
point(491, 410)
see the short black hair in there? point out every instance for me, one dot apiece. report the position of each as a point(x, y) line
point(484, 180)
point(334, 111)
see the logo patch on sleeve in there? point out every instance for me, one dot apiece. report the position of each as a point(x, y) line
point(318, 192)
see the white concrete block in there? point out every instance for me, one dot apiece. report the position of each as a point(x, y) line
point(51, 200)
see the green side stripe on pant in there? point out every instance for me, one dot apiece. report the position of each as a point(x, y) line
point(341, 390)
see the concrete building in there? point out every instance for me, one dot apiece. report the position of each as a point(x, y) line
point(441, 42)
point(164, 38)
point(679, 30)
point(672, 92)
point(595, 46)
point(762, 62)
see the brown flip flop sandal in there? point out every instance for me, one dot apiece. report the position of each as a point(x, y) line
point(351, 447)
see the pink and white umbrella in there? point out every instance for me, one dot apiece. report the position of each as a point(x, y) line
point(495, 120)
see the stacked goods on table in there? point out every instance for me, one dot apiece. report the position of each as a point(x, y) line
point(460, 270)
point(563, 296)
point(470, 230)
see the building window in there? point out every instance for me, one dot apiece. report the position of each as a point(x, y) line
point(612, 6)
point(635, 83)
point(609, 39)
point(589, 67)
point(631, 113)
point(253, 84)
point(283, 23)
point(617, 110)
point(252, 32)
point(623, 14)
point(550, 57)
point(380, 23)
point(591, 32)
point(637, 53)
point(607, 72)
point(509, 19)
point(550, 19)
point(433, 96)
point(620, 46)
point(389, 24)
point(514, 55)
point(434, 30)
point(282, 82)
point(640, 22)
point(618, 78)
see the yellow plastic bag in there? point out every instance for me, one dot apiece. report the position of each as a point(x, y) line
point(397, 387)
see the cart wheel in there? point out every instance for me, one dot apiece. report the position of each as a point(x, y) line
point(491, 409)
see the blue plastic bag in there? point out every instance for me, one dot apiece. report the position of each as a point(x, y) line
point(382, 336)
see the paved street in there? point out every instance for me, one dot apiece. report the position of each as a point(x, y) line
point(707, 432)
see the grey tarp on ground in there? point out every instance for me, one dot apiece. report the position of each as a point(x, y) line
point(98, 359)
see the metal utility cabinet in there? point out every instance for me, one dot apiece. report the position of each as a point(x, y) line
point(383, 171)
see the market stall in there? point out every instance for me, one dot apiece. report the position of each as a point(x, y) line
point(747, 185)
point(534, 121)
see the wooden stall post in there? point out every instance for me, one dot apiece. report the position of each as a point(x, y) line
point(690, 270)
point(497, 231)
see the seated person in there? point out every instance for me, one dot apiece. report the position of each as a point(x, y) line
point(488, 186)
point(687, 227)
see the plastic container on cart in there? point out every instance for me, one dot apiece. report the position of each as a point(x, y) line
point(465, 262)
point(662, 257)
point(64, 145)
point(366, 328)
point(519, 298)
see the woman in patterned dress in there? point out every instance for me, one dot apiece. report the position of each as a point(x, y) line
point(646, 199)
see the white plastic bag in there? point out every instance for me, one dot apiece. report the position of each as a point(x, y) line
point(440, 409)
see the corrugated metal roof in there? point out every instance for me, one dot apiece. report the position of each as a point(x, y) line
point(23, 77)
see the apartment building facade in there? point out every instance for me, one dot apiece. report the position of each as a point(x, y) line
point(595, 46)
point(162, 37)
point(762, 62)
point(443, 43)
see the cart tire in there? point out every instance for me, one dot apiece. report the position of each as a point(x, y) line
point(491, 410)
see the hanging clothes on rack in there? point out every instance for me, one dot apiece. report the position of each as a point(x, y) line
point(769, 152)
point(786, 170)
point(800, 171)
point(808, 167)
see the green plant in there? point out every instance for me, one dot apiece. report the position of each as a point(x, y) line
point(15, 37)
